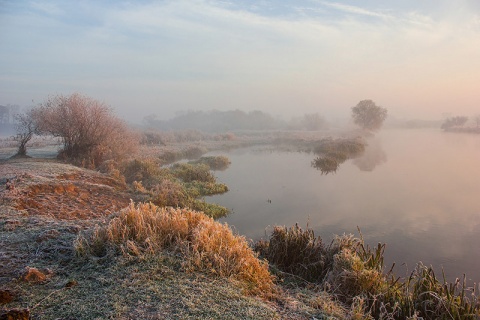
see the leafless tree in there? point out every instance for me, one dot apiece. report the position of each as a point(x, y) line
point(452, 122)
point(25, 127)
point(477, 120)
point(313, 121)
point(88, 128)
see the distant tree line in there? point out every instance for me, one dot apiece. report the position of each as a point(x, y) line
point(7, 113)
point(462, 124)
point(234, 120)
point(7, 118)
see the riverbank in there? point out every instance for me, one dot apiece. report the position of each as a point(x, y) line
point(42, 272)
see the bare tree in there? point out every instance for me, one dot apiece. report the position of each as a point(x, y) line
point(313, 121)
point(454, 122)
point(88, 128)
point(477, 120)
point(25, 127)
point(368, 115)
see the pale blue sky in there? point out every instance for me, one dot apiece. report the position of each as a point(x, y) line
point(417, 58)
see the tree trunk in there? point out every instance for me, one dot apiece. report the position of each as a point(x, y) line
point(22, 149)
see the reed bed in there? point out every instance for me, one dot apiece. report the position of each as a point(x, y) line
point(214, 162)
point(182, 185)
point(355, 274)
point(188, 172)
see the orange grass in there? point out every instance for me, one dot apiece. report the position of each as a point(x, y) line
point(205, 244)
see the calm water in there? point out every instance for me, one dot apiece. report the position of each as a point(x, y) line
point(418, 191)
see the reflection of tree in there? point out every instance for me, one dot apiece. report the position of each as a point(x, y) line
point(329, 163)
point(373, 156)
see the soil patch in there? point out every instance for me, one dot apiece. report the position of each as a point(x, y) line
point(78, 200)
point(61, 191)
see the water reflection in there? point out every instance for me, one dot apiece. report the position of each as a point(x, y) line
point(373, 156)
point(422, 209)
point(366, 160)
point(329, 163)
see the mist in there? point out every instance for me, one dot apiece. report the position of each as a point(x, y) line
point(343, 122)
point(283, 59)
point(413, 189)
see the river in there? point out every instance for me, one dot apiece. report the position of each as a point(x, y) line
point(418, 191)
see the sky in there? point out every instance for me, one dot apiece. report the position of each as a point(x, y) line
point(417, 58)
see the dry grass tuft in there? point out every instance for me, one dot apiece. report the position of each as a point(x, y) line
point(6, 296)
point(354, 273)
point(34, 275)
point(295, 251)
point(206, 245)
point(15, 314)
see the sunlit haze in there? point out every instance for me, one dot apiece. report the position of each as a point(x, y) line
point(419, 59)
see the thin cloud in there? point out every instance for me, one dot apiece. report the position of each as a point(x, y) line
point(46, 7)
point(211, 54)
point(355, 10)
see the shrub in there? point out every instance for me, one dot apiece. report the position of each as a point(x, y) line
point(111, 167)
point(170, 193)
point(214, 162)
point(206, 245)
point(169, 156)
point(164, 186)
point(350, 276)
point(201, 189)
point(25, 126)
point(89, 130)
point(194, 152)
point(146, 171)
point(193, 172)
point(153, 138)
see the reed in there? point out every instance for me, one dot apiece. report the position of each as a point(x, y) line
point(182, 185)
point(295, 251)
point(355, 274)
